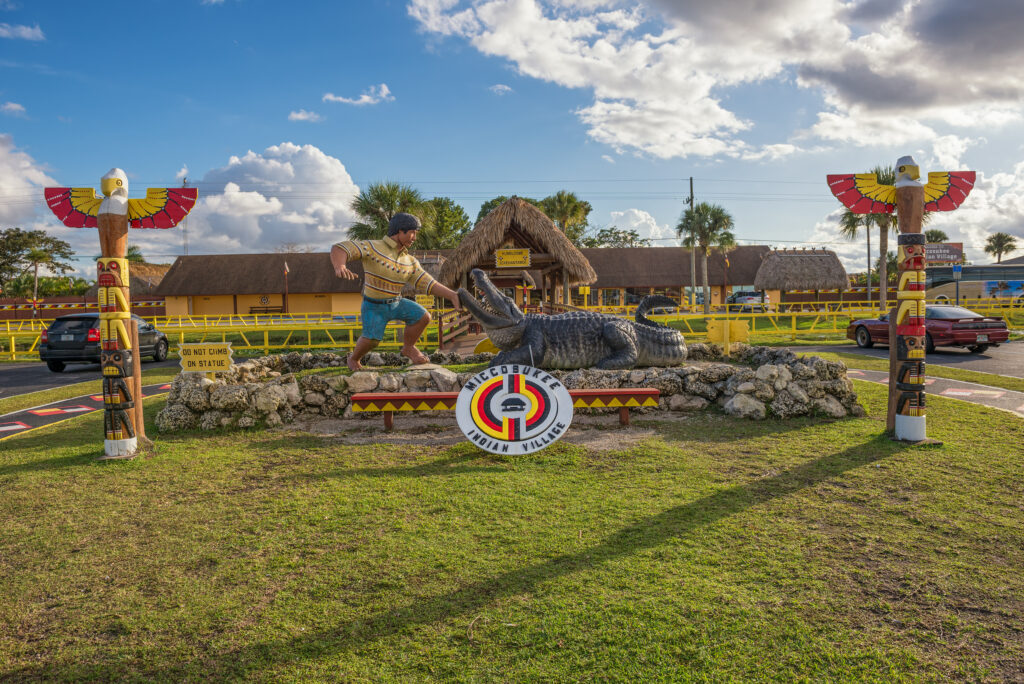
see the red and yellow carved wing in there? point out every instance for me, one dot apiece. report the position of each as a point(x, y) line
point(162, 207)
point(861, 193)
point(75, 207)
point(946, 190)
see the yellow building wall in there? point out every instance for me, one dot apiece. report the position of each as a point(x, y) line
point(216, 305)
point(309, 303)
point(176, 306)
point(346, 302)
point(246, 301)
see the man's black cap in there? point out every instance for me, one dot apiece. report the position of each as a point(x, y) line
point(403, 222)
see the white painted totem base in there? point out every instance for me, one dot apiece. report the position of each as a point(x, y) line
point(911, 428)
point(120, 448)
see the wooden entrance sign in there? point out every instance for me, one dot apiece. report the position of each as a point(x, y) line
point(909, 198)
point(112, 214)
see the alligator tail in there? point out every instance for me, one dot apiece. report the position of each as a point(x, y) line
point(649, 302)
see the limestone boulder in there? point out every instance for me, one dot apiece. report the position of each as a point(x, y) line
point(418, 381)
point(687, 402)
point(229, 398)
point(338, 383)
point(694, 385)
point(745, 406)
point(313, 398)
point(269, 398)
point(444, 380)
point(211, 420)
point(785, 405)
point(363, 381)
point(667, 382)
point(314, 383)
point(389, 382)
point(716, 372)
point(829, 406)
point(175, 417)
point(196, 395)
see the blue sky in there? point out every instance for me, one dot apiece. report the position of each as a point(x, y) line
point(281, 114)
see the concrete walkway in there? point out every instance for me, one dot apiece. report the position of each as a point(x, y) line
point(996, 397)
point(20, 422)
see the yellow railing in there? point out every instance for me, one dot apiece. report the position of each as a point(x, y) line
point(20, 339)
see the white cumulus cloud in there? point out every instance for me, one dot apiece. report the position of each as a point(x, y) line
point(13, 109)
point(500, 89)
point(646, 226)
point(22, 32)
point(662, 72)
point(303, 115)
point(375, 95)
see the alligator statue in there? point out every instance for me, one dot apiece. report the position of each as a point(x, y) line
point(577, 339)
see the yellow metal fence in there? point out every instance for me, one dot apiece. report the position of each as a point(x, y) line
point(264, 333)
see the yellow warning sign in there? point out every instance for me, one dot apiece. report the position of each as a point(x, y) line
point(205, 357)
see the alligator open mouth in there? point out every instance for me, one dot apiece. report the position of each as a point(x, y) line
point(497, 310)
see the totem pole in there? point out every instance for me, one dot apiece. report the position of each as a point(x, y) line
point(119, 340)
point(863, 194)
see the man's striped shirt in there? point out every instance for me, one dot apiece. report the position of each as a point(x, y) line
point(388, 267)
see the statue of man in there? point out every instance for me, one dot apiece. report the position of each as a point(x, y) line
point(388, 266)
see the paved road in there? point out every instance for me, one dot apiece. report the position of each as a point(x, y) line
point(1007, 359)
point(997, 397)
point(32, 376)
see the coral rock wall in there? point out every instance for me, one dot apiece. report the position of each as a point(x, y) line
point(762, 382)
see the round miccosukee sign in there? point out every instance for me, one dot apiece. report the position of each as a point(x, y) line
point(513, 409)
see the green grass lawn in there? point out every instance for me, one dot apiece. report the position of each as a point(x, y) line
point(714, 550)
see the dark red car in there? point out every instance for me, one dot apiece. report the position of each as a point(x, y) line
point(947, 326)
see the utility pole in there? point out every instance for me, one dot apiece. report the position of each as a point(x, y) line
point(693, 257)
point(184, 223)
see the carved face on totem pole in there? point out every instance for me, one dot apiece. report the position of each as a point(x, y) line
point(116, 363)
point(112, 272)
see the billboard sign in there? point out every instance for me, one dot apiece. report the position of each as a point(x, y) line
point(944, 252)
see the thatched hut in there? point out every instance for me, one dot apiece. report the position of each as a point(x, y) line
point(517, 224)
point(801, 269)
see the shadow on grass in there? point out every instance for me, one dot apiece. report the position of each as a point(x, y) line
point(447, 465)
point(646, 534)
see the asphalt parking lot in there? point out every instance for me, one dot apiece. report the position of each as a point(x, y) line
point(1006, 359)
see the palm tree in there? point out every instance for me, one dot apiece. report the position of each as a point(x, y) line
point(850, 224)
point(935, 236)
point(706, 226)
point(999, 244)
point(134, 255)
point(376, 206)
point(568, 212)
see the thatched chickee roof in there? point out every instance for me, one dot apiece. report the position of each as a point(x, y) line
point(528, 227)
point(143, 278)
point(814, 269)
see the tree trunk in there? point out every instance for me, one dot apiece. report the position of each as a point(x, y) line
point(704, 275)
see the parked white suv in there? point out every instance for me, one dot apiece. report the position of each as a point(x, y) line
point(747, 300)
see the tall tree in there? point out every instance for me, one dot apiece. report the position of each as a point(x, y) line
point(999, 244)
point(568, 212)
point(379, 202)
point(615, 237)
point(451, 223)
point(935, 236)
point(23, 251)
point(891, 266)
point(706, 226)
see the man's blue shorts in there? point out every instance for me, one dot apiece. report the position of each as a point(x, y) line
point(377, 313)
